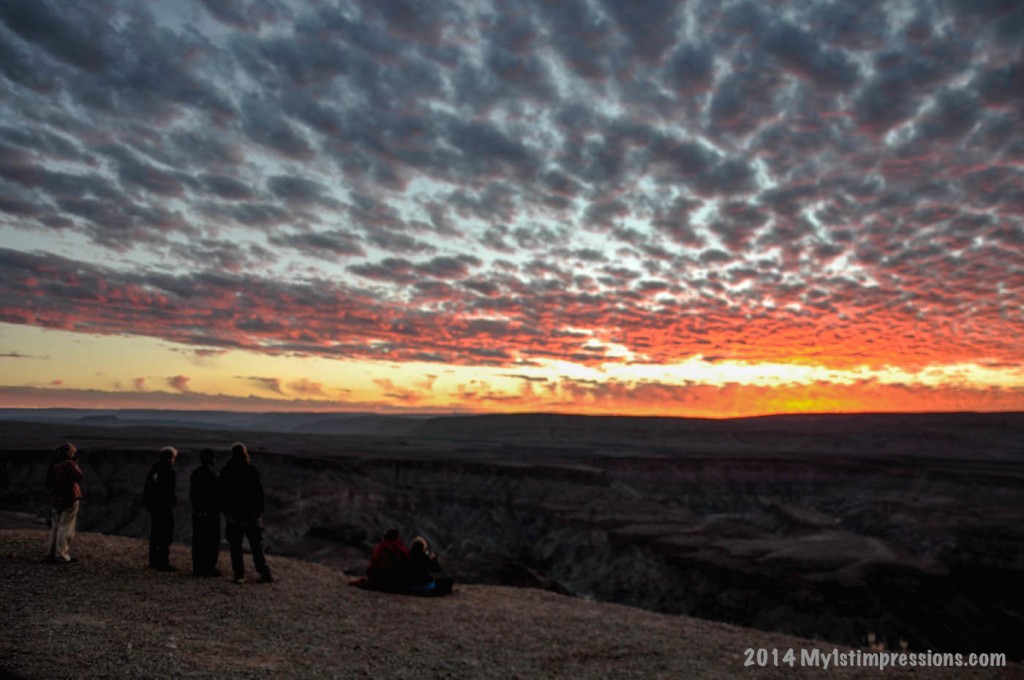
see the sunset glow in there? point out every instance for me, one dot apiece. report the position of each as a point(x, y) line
point(705, 209)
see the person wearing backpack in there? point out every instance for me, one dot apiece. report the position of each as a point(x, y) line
point(160, 496)
point(63, 481)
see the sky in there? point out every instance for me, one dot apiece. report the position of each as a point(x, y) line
point(694, 208)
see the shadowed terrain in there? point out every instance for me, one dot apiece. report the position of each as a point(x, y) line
point(106, 616)
point(907, 528)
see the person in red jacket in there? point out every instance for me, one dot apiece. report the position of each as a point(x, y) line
point(63, 480)
point(387, 570)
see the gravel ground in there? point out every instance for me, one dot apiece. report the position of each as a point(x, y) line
point(106, 615)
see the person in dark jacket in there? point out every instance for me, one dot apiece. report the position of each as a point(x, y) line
point(205, 516)
point(160, 496)
point(423, 573)
point(241, 501)
point(63, 482)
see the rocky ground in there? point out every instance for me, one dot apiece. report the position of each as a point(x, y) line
point(107, 616)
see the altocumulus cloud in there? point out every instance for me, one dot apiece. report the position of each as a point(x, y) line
point(462, 183)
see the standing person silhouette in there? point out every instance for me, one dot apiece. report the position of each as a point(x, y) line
point(62, 480)
point(205, 516)
point(242, 501)
point(160, 496)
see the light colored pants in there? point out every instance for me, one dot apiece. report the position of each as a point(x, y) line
point(62, 530)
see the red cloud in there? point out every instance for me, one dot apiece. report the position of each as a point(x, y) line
point(836, 321)
point(179, 382)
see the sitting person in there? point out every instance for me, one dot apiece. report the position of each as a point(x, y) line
point(387, 563)
point(395, 568)
point(423, 574)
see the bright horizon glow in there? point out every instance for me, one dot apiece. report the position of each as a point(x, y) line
point(102, 375)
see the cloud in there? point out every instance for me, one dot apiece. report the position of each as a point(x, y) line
point(325, 244)
point(390, 391)
point(268, 384)
point(71, 42)
point(459, 184)
point(264, 124)
point(306, 387)
point(250, 312)
point(227, 188)
point(49, 397)
point(179, 382)
point(297, 190)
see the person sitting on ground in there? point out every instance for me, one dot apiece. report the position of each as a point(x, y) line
point(424, 575)
point(62, 480)
point(160, 496)
point(387, 563)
